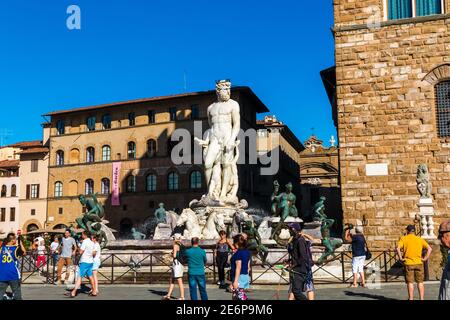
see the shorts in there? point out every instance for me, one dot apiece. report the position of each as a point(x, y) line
point(358, 264)
point(96, 265)
point(244, 281)
point(308, 284)
point(414, 273)
point(86, 270)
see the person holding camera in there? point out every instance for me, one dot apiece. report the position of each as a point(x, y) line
point(9, 271)
point(359, 253)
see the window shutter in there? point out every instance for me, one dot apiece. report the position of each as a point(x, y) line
point(28, 191)
point(37, 192)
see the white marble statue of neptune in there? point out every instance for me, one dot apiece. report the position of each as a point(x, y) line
point(221, 144)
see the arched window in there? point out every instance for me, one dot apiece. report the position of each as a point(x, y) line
point(106, 153)
point(89, 187)
point(58, 189)
point(442, 90)
point(151, 183)
point(13, 190)
point(60, 227)
point(106, 185)
point(131, 150)
point(59, 158)
point(131, 184)
point(151, 148)
point(4, 191)
point(195, 180)
point(32, 227)
point(90, 155)
point(172, 181)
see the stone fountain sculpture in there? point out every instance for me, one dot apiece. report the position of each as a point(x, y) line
point(426, 210)
point(92, 220)
point(166, 222)
point(283, 211)
point(216, 209)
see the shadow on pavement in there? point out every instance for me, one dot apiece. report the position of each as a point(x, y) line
point(158, 292)
point(367, 295)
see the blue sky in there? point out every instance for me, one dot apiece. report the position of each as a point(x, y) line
point(129, 49)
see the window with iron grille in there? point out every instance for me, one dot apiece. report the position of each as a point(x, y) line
point(443, 108)
point(106, 153)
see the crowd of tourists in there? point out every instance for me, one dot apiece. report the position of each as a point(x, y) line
point(232, 255)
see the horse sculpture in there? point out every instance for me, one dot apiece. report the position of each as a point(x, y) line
point(189, 219)
point(214, 224)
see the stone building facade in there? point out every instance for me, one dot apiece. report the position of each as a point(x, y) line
point(9, 196)
point(275, 135)
point(390, 95)
point(319, 176)
point(33, 177)
point(86, 143)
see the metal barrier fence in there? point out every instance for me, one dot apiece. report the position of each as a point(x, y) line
point(156, 267)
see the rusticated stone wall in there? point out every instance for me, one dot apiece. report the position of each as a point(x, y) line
point(386, 113)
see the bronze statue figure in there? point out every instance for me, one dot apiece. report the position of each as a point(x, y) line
point(91, 220)
point(283, 205)
point(254, 242)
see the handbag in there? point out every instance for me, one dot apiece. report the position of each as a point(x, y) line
point(239, 295)
point(178, 269)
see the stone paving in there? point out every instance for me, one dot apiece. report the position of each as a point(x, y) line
point(389, 291)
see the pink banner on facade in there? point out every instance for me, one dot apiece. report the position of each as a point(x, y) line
point(115, 201)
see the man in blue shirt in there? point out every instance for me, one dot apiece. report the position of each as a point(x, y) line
point(9, 271)
point(196, 259)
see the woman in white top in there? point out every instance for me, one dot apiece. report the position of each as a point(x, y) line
point(39, 244)
point(97, 263)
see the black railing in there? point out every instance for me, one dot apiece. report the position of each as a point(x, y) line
point(153, 267)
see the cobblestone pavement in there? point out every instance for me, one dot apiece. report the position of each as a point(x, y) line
point(395, 291)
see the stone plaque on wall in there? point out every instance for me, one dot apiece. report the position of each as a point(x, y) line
point(377, 169)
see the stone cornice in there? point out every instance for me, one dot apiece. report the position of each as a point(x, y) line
point(415, 20)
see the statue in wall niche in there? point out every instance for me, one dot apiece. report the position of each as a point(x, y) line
point(423, 181)
point(160, 214)
point(283, 205)
point(137, 235)
point(220, 147)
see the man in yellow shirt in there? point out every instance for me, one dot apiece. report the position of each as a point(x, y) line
point(409, 249)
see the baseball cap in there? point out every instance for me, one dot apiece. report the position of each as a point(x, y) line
point(411, 228)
